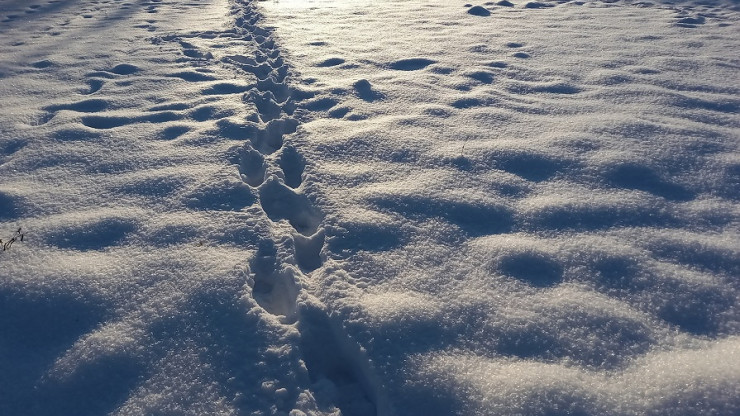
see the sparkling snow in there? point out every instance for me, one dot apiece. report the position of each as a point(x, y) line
point(386, 207)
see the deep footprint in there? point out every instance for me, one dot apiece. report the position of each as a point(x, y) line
point(275, 290)
point(280, 202)
point(292, 165)
point(332, 358)
point(412, 64)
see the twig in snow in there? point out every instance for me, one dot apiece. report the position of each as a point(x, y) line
point(18, 236)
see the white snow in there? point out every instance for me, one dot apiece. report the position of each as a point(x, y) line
point(387, 207)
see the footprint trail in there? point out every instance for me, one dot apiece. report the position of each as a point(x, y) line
point(282, 268)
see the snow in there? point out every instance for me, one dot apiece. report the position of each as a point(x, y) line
point(394, 207)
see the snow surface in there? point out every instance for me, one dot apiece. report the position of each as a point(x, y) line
point(386, 207)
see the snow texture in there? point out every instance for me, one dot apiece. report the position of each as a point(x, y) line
point(394, 207)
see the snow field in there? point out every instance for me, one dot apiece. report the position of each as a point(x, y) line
point(532, 211)
point(144, 158)
point(392, 207)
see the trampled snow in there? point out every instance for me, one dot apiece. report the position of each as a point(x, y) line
point(391, 207)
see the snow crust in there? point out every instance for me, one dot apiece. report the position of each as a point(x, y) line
point(533, 211)
point(394, 207)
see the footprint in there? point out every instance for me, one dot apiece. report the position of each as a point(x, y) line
point(94, 85)
point(173, 132)
point(276, 61)
point(280, 91)
point(274, 290)
point(308, 250)
point(365, 91)
point(252, 165)
point(336, 366)
point(160, 117)
point(280, 202)
point(618, 272)
point(437, 111)
point(196, 54)
point(470, 102)
point(530, 166)
point(497, 64)
point(482, 76)
point(241, 59)
point(330, 62)
point(411, 64)
point(261, 71)
point(86, 106)
point(124, 69)
point(280, 74)
point(320, 104)
point(192, 76)
point(110, 122)
point(292, 165)
point(10, 146)
point(266, 104)
point(209, 112)
point(339, 112)
point(225, 88)
point(592, 217)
